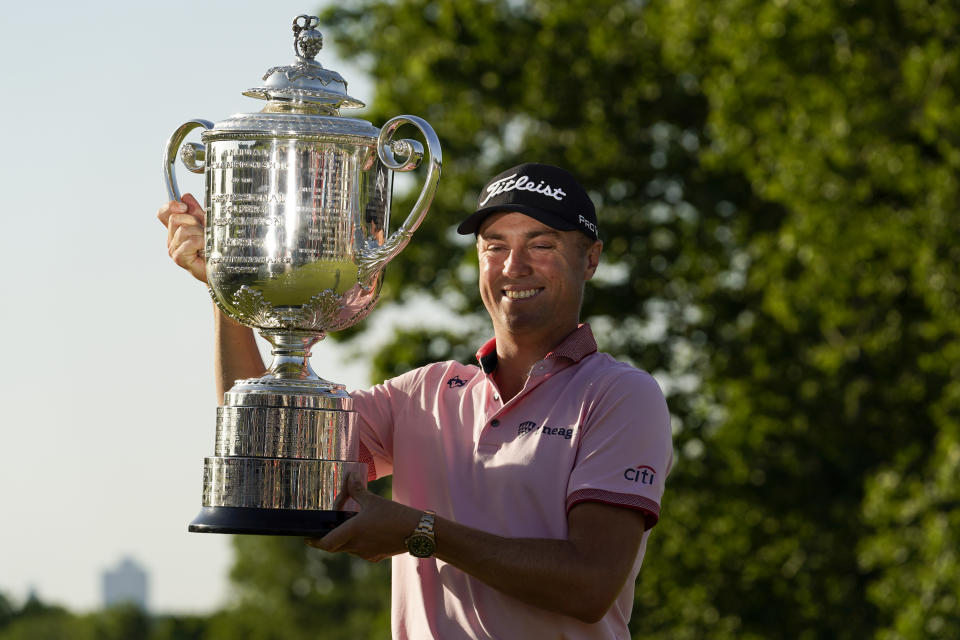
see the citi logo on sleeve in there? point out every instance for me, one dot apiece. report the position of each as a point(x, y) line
point(644, 474)
point(455, 381)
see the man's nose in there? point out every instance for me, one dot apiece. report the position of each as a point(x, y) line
point(517, 264)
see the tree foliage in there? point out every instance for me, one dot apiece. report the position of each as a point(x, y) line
point(37, 620)
point(776, 183)
point(844, 114)
point(285, 590)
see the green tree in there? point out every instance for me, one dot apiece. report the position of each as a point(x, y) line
point(123, 621)
point(844, 114)
point(285, 590)
point(180, 627)
point(776, 183)
point(7, 611)
point(37, 619)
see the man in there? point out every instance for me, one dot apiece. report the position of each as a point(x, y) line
point(526, 487)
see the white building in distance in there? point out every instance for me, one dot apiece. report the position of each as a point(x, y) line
point(127, 583)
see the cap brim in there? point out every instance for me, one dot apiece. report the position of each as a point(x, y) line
point(473, 222)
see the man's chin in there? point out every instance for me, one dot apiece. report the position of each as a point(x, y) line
point(524, 323)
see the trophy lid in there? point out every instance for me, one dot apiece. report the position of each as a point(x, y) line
point(305, 85)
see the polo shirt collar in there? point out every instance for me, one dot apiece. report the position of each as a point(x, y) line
point(576, 346)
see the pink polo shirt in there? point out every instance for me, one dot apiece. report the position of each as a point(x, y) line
point(584, 428)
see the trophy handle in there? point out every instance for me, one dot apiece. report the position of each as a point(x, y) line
point(404, 155)
point(193, 155)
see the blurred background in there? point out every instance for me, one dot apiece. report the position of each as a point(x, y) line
point(777, 188)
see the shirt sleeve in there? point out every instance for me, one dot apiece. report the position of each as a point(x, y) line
point(626, 449)
point(377, 410)
point(374, 423)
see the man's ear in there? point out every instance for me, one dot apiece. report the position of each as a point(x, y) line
point(593, 259)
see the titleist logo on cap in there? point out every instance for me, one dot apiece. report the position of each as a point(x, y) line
point(546, 193)
point(523, 183)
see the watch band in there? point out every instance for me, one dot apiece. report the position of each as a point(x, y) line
point(426, 523)
point(422, 543)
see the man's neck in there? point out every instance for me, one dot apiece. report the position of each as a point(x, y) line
point(516, 356)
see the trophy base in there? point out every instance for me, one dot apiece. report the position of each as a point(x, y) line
point(303, 523)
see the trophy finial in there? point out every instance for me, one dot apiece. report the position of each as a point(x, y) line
point(304, 86)
point(307, 41)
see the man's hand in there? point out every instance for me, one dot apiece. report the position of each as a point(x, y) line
point(378, 531)
point(184, 222)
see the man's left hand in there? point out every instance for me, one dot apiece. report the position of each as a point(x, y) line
point(378, 530)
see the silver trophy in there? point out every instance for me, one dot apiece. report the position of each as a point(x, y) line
point(297, 213)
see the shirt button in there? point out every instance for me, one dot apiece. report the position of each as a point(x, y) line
point(494, 423)
point(496, 396)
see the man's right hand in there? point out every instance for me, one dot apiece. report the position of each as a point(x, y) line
point(184, 222)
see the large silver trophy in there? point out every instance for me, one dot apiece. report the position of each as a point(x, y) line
point(297, 213)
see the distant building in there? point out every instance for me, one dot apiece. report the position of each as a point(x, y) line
point(127, 583)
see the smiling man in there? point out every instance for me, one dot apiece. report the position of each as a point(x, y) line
point(525, 488)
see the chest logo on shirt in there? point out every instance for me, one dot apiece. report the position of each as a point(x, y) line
point(455, 381)
point(533, 427)
point(643, 474)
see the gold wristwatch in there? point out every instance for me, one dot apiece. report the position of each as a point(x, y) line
point(421, 542)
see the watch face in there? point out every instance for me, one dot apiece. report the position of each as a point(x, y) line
point(420, 545)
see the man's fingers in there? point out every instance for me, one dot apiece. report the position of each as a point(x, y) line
point(185, 234)
point(333, 541)
point(186, 244)
point(188, 205)
point(193, 207)
point(352, 487)
point(342, 498)
point(346, 488)
point(164, 213)
point(181, 225)
point(183, 228)
point(316, 543)
point(187, 253)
